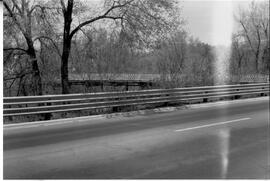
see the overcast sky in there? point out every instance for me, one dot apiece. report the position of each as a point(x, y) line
point(212, 20)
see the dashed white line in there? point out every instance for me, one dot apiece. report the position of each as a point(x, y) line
point(213, 124)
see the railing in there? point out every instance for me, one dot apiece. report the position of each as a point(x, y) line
point(30, 105)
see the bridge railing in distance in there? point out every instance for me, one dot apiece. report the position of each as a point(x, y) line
point(31, 105)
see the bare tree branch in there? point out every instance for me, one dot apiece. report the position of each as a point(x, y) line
point(43, 8)
point(63, 6)
point(20, 75)
point(12, 15)
point(104, 16)
point(14, 49)
point(246, 34)
point(51, 40)
point(15, 4)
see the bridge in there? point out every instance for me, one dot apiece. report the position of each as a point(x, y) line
point(214, 139)
point(143, 81)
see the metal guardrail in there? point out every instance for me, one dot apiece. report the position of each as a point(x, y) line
point(30, 105)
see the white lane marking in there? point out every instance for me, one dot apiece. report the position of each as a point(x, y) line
point(213, 124)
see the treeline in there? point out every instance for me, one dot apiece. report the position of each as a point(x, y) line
point(174, 57)
point(37, 30)
point(250, 50)
point(46, 41)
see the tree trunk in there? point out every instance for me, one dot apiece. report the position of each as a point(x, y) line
point(35, 76)
point(266, 60)
point(257, 61)
point(64, 68)
point(66, 46)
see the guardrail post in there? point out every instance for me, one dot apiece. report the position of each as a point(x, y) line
point(205, 99)
point(237, 96)
point(115, 109)
point(167, 103)
point(47, 116)
point(9, 118)
point(262, 94)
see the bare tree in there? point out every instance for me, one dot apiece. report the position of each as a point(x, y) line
point(255, 28)
point(141, 18)
point(237, 55)
point(172, 57)
point(21, 15)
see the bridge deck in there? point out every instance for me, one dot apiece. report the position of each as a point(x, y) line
point(222, 141)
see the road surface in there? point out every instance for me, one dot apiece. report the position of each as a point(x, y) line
point(229, 140)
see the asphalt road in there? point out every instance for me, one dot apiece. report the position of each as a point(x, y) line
point(219, 141)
